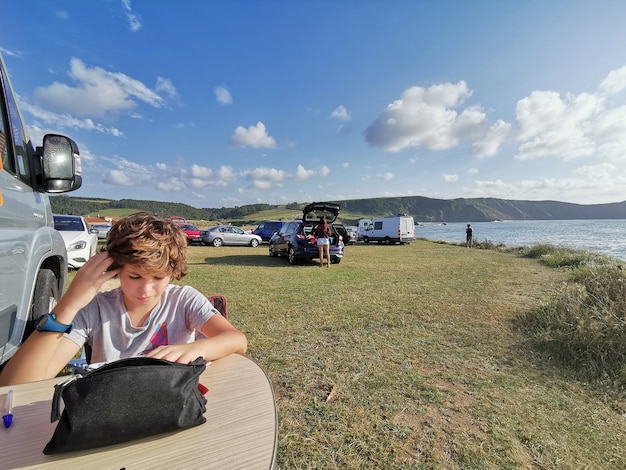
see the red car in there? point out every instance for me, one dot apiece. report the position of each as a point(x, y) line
point(192, 232)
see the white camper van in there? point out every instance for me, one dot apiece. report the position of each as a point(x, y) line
point(33, 257)
point(387, 230)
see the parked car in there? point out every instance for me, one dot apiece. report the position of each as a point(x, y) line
point(349, 236)
point(177, 219)
point(80, 243)
point(295, 239)
point(267, 228)
point(388, 230)
point(228, 235)
point(352, 234)
point(192, 232)
point(101, 230)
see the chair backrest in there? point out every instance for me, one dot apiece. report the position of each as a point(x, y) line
point(220, 303)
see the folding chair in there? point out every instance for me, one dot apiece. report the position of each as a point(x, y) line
point(220, 304)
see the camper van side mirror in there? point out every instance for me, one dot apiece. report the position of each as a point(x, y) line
point(62, 168)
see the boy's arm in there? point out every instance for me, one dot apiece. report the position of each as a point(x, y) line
point(222, 339)
point(44, 354)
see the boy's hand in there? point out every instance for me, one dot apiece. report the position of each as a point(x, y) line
point(86, 284)
point(183, 353)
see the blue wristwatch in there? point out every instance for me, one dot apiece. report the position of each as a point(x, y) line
point(49, 323)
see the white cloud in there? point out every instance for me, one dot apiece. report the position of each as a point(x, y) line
point(52, 120)
point(201, 177)
point(134, 21)
point(550, 125)
point(490, 143)
point(226, 173)
point(340, 112)
point(165, 86)
point(385, 176)
point(201, 172)
point(222, 95)
point(603, 181)
point(12, 53)
point(448, 178)
point(615, 81)
point(98, 92)
point(253, 136)
point(171, 185)
point(303, 174)
point(118, 178)
point(265, 178)
point(425, 117)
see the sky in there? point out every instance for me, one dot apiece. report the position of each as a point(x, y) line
point(227, 103)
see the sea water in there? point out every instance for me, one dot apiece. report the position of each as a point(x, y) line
point(607, 237)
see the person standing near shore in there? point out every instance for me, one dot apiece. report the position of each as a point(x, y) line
point(469, 238)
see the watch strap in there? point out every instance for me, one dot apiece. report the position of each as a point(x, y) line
point(49, 322)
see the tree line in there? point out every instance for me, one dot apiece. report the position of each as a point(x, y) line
point(422, 209)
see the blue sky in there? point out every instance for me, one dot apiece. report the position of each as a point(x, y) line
point(226, 103)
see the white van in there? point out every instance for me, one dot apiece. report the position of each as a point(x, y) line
point(388, 230)
point(33, 258)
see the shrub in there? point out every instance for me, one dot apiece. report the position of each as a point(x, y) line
point(558, 257)
point(583, 326)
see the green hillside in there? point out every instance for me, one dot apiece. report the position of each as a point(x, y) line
point(422, 209)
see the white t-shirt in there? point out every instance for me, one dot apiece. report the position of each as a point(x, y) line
point(105, 325)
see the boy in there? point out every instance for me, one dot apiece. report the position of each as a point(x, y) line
point(145, 315)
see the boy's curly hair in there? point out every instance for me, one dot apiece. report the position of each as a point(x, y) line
point(150, 242)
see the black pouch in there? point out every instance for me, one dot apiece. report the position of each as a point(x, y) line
point(125, 400)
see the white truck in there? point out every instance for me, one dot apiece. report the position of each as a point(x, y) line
point(387, 230)
point(33, 257)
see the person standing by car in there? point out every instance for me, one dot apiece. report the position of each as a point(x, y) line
point(323, 233)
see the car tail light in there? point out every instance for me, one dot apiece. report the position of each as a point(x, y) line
point(300, 237)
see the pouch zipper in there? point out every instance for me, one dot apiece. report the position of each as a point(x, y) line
point(55, 413)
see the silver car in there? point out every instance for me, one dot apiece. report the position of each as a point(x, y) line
point(101, 230)
point(228, 235)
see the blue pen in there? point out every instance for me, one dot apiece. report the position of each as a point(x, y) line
point(8, 418)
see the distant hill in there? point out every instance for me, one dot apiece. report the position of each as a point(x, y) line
point(422, 209)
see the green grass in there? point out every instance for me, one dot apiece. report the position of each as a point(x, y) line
point(421, 345)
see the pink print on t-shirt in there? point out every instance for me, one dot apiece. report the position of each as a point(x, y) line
point(159, 338)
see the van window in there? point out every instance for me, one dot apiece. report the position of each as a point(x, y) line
point(7, 155)
point(21, 152)
point(378, 225)
point(7, 163)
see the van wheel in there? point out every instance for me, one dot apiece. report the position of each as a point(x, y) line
point(387, 241)
point(366, 240)
point(272, 251)
point(335, 260)
point(45, 298)
point(291, 254)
